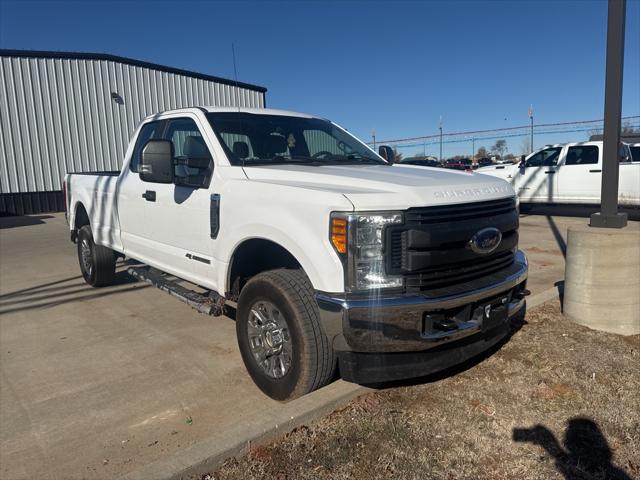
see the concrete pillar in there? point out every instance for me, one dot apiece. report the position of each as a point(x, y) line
point(602, 278)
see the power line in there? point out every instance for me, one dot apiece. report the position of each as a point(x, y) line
point(505, 129)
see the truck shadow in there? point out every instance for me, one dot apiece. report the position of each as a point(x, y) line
point(54, 293)
point(585, 453)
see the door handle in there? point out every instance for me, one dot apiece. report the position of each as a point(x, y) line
point(149, 196)
point(595, 171)
point(550, 172)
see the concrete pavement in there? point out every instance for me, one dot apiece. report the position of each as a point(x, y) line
point(126, 380)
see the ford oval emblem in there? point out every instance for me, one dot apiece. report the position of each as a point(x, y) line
point(486, 240)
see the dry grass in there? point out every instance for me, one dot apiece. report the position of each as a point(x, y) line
point(556, 401)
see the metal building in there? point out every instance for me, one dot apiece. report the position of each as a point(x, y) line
point(75, 112)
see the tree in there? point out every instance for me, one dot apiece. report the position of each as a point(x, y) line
point(627, 129)
point(525, 146)
point(482, 153)
point(397, 156)
point(593, 131)
point(500, 147)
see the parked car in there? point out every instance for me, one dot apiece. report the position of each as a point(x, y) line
point(423, 162)
point(569, 173)
point(328, 253)
point(462, 164)
point(484, 162)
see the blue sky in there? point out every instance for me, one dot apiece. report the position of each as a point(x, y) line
point(392, 66)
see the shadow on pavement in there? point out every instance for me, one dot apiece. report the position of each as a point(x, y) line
point(570, 210)
point(562, 245)
point(22, 221)
point(54, 293)
point(27, 304)
point(585, 454)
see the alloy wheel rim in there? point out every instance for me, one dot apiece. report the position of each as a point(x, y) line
point(86, 257)
point(269, 339)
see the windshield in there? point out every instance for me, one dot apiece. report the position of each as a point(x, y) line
point(256, 139)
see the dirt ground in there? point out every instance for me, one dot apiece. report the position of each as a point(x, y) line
point(556, 401)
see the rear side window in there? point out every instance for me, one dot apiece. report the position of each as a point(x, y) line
point(635, 153)
point(582, 155)
point(149, 131)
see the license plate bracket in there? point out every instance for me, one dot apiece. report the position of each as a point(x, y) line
point(494, 314)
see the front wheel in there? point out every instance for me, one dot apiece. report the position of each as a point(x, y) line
point(97, 263)
point(282, 343)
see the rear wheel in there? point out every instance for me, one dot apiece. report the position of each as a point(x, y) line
point(283, 346)
point(97, 263)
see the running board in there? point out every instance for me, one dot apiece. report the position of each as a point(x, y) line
point(209, 304)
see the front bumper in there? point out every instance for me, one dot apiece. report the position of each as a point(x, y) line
point(411, 323)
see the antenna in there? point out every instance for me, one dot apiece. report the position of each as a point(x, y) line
point(235, 73)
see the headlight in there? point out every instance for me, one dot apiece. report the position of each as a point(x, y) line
point(363, 259)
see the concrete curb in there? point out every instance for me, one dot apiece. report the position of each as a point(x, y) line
point(209, 454)
point(542, 297)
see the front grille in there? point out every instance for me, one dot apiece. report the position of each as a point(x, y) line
point(431, 248)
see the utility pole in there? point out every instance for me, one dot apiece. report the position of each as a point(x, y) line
point(531, 118)
point(373, 135)
point(440, 127)
point(473, 149)
point(609, 217)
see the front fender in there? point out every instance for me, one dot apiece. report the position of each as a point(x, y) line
point(295, 218)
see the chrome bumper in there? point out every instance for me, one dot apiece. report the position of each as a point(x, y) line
point(406, 322)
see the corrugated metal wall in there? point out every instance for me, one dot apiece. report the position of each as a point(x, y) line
point(57, 115)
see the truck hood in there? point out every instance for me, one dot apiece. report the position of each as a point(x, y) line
point(498, 170)
point(386, 187)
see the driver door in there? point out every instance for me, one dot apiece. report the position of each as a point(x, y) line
point(179, 214)
point(536, 180)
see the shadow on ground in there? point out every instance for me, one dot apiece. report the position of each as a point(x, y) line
point(55, 293)
point(585, 453)
point(23, 221)
point(572, 210)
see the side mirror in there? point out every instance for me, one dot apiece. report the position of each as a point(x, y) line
point(386, 152)
point(157, 162)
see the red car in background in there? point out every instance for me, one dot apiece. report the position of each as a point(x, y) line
point(460, 164)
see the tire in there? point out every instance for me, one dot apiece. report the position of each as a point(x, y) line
point(97, 263)
point(305, 361)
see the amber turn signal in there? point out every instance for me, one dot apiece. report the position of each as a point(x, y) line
point(339, 234)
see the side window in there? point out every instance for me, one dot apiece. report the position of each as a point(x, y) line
point(193, 162)
point(582, 155)
point(624, 153)
point(544, 158)
point(320, 141)
point(149, 131)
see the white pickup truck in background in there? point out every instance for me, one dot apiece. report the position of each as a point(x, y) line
point(333, 256)
point(569, 174)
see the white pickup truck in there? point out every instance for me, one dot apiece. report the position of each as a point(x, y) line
point(570, 174)
point(331, 256)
